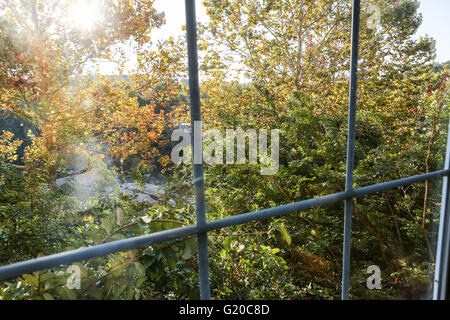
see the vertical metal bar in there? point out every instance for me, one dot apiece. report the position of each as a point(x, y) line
point(443, 244)
point(199, 183)
point(350, 149)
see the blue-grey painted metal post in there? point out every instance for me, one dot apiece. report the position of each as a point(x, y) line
point(199, 183)
point(350, 150)
point(443, 245)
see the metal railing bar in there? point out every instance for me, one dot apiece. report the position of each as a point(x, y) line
point(17, 269)
point(85, 253)
point(197, 150)
point(348, 208)
point(319, 201)
point(443, 243)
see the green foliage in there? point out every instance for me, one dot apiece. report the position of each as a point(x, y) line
point(297, 83)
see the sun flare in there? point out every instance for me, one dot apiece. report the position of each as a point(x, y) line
point(84, 14)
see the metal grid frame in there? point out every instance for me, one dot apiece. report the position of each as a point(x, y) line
point(203, 226)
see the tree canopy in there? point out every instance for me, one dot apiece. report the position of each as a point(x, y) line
point(268, 64)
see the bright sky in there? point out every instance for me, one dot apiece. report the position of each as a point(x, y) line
point(436, 23)
point(175, 16)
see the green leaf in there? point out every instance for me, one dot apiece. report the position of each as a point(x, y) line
point(30, 280)
point(117, 290)
point(140, 268)
point(117, 236)
point(227, 243)
point(48, 296)
point(95, 293)
point(107, 225)
point(284, 233)
point(109, 285)
point(170, 257)
point(47, 276)
point(129, 295)
point(140, 281)
point(148, 261)
point(189, 249)
point(66, 294)
point(187, 253)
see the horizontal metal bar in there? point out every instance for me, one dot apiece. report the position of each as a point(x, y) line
point(84, 253)
point(17, 269)
point(320, 201)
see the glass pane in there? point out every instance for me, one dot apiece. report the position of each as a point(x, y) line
point(95, 141)
point(90, 92)
point(298, 257)
point(394, 243)
point(163, 272)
